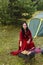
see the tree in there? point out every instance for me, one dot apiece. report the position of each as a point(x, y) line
point(3, 11)
point(40, 5)
point(20, 10)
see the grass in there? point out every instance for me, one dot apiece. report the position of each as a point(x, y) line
point(9, 36)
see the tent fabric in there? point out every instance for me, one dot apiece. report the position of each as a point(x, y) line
point(40, 33)
point(39, 15)
point(36, 27)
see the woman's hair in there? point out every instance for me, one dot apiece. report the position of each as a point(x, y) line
point(23, 31)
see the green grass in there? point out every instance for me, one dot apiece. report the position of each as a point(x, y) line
point(9, 36)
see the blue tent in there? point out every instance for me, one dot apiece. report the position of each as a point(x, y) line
point(36, 27)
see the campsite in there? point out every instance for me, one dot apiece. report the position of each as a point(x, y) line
point(12, 14)
point(9, 41)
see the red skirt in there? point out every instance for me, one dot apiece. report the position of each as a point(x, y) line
point(24, 46)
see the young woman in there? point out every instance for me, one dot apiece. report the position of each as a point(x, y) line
point(25, 40)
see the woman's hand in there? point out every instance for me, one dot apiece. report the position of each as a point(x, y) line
point(32, 48)
point(28, 41)
point(20, 43)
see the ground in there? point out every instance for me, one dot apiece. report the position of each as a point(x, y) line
point(9, 36)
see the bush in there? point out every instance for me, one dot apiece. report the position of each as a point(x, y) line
point(11, 11)
point(40, 6)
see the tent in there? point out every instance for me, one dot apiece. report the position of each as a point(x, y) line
point(36, 27)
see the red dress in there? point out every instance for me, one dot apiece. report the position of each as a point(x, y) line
point(24, 39)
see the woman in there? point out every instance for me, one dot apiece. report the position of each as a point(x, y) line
point(25, 40)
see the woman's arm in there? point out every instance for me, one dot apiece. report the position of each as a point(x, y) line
point(20, 43)
point(28, 41)
point(30, 36)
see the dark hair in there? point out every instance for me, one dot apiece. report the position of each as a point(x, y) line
point(23, 31)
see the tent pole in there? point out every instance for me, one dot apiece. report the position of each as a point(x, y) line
point(38, 28)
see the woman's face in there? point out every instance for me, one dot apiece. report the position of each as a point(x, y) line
point(24, 26)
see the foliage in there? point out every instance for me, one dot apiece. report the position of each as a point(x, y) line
point(40, 5)
point(17, 11)
point(3, 11)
